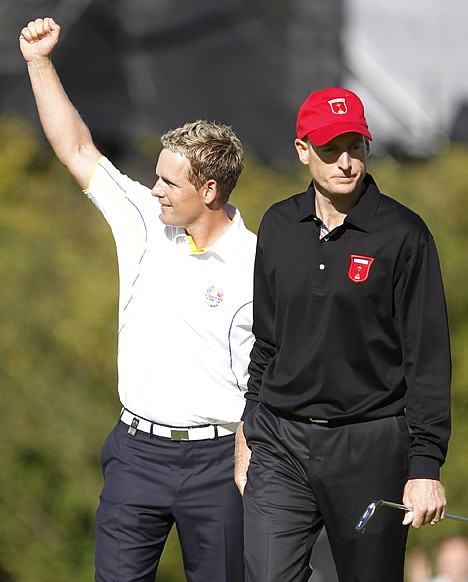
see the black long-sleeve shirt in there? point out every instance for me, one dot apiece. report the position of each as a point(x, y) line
point(353, 327)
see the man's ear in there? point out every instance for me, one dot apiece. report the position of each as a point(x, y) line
point(302, 148)
point(210, 191)
point(368, 148)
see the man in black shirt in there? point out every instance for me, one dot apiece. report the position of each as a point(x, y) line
point(349, 393)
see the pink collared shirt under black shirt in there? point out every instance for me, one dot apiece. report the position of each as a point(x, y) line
point(353, 326)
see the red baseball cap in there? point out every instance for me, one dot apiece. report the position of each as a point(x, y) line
point(329, 113)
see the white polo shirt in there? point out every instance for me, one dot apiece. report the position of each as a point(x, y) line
point(185, 319)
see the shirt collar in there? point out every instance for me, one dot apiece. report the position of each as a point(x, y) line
point(361, 214)
point(227, 243)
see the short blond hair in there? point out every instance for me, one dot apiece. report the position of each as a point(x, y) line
point(214, 152)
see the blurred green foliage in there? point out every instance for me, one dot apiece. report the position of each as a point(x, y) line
point(58, 344)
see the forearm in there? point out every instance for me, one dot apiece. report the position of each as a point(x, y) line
point(264, 348)
point(426, 351)
point(242, 459)
point(63, 126)
point(65, 130)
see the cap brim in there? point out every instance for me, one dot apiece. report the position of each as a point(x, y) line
point(325, 134)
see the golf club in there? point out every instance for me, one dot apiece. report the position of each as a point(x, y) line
point(375, 505)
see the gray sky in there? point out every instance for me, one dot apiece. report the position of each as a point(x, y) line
point(409, 57)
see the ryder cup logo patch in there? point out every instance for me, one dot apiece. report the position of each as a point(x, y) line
point(359, 268)
point(338, 106)
point(213, 296)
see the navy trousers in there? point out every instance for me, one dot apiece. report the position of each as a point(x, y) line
point(304, 476)
point(152, 483)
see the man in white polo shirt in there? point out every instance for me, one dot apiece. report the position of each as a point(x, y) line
point(185, 334)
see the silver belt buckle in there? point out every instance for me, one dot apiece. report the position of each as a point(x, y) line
point(132, 429)
point(179, 435)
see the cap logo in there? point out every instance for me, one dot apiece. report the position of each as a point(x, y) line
point(338, 106)
point(359, 268)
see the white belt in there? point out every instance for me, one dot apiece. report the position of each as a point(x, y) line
point(183, 433)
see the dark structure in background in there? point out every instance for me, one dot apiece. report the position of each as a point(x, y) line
point(139, 67)
point(459, 131)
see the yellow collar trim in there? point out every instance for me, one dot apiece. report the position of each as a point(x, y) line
point(193, 247)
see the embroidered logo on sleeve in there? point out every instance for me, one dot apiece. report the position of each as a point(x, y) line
point(359, 268)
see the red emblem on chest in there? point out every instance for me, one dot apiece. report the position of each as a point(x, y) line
point(359, 268)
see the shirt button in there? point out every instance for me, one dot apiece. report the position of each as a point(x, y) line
point(321, 266)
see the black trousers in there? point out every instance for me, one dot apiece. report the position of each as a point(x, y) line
point(152, 483)
point(305, 476)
